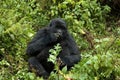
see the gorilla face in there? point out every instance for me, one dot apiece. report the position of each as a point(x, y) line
point(58, 27)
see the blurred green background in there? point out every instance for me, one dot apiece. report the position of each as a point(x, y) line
point(95, 25)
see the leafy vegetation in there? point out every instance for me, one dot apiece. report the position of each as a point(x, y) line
point(94, 27)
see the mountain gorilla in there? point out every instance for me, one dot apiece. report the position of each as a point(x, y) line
point(44, 40)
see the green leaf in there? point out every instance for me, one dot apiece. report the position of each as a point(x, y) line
point(1, 28)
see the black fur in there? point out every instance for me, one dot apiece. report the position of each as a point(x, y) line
point(44, 40)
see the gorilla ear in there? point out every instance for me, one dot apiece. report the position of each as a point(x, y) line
point(50, 24)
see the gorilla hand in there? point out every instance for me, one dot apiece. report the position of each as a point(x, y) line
point(54, 37)
point(60, 62)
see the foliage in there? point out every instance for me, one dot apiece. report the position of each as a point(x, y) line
point(54, 52)
point(84, 15)
point(57, 74)
point(97, 67)
point(114, 4)
point(86, 21)
point(15, 31)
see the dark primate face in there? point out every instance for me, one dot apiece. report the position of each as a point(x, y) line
point(58, 27)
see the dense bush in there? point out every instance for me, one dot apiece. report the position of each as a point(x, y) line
point(114, 4)
point(86, 21)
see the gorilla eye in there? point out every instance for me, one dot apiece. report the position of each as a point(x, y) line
point(50, 24)
point(61, 27)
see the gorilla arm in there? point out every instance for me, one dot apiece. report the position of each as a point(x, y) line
point(39, 42)
point(71, 60)
point(70, 54)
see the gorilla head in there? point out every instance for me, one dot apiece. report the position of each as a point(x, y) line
point(58, 28)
